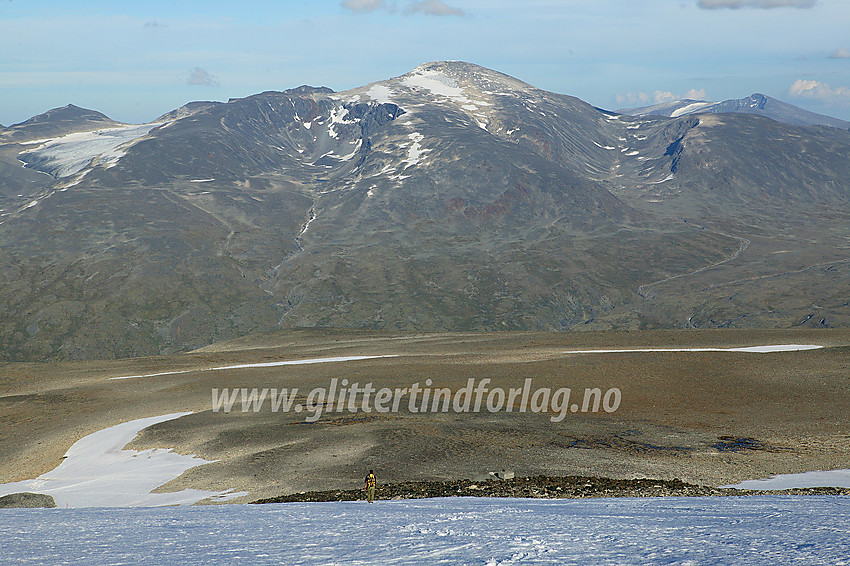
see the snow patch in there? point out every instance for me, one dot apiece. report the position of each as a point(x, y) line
point(669, 177)
point(67, 155)
point(690, 108)
point(338, 116)
point(441, 85)
point(380, 93)
point(415, 152)
point(263, 364)
point(436, 82)
point(97, 472)
point(831, 478)
point(353, 153)
point(751, 349)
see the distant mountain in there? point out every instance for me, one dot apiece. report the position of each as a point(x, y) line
point(185, 110)
point(453, 197)
point(58, 121)
point(754, 104)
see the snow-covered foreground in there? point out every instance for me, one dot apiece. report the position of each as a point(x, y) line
point(765, 530)
point(98, 472)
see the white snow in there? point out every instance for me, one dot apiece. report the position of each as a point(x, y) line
point(751, 349)
point(350, 155)
point(262, 364)
point(36, 142)
point(756, 531)
point(830, 478)
point(604, 146)
point(380, 93)
point(415, 152)
point(201, 180)
point(306, 224)
point(338, 116)
point(97, 472)
point(436, 82)
point(441, 85)
point(669, 177)
point(67, 155)
point(690, 108)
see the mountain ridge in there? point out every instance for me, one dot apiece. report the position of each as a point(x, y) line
point(452, 197)
point(756, 103)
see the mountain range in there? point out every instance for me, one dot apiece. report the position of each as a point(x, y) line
point(757, 103)
point(453, 197)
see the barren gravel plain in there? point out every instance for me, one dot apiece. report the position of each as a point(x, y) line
point(706, 417)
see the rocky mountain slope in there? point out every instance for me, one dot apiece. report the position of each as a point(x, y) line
point(452, 197)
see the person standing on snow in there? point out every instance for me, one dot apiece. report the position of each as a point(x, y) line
point(370, 486)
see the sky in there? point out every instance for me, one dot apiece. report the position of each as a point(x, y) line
point(134, 61)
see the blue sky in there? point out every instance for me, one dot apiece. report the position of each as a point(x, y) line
point(137, 60)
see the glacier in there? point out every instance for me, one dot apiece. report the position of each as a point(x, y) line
point(69, 154)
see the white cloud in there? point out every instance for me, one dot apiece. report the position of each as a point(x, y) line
point(840, 54)
point(428, 7)
point(201, 77)
point(815, 90)
point(634, 99)
point(434, 8)
point(363, 6)
point(658, 97)
point(736, 4)
point(661, 96)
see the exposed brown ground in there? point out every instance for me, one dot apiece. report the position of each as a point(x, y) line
point(680, 416)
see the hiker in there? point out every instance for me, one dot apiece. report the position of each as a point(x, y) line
point(370, 486)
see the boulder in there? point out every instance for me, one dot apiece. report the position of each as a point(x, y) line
point(26, 500)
